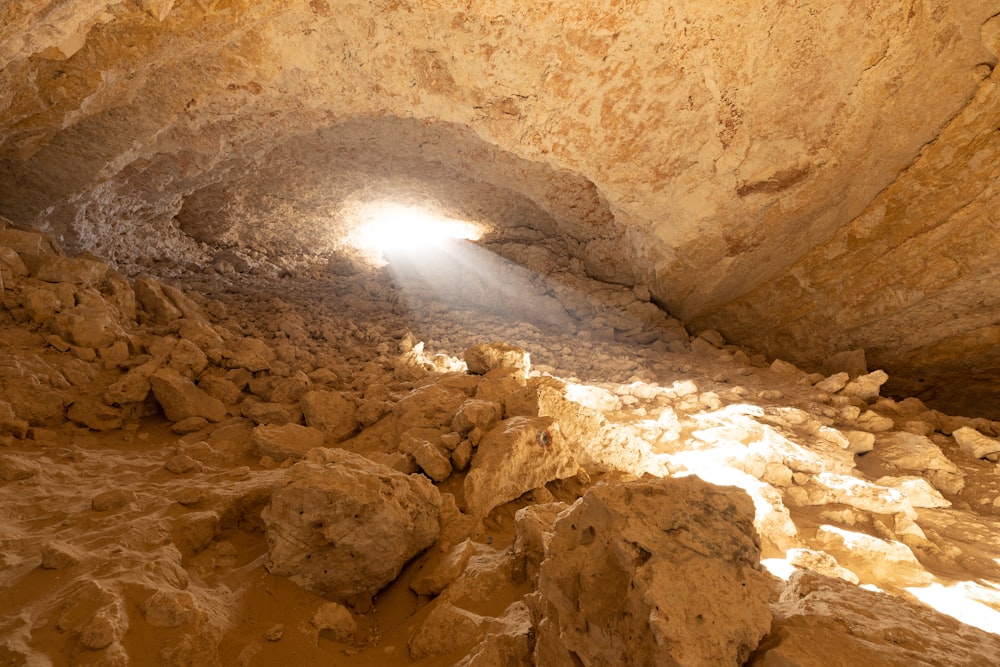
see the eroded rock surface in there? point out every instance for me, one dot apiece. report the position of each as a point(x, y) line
point(620, 581)
point(344, 527)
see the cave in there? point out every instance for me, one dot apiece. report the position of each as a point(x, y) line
point(427, 332)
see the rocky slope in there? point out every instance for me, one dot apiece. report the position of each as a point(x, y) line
point(216, 474)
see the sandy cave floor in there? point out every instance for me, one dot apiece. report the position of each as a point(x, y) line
point(360, 329)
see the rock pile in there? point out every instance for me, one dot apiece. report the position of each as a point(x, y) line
point(242, 478)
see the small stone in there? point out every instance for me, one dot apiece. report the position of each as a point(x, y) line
point(189, 425)
point(436, 579)
point(485, 357)
point(94, 415)
point(834, 383)
point(461, 455)
point(181, 464)
point(335, 622)
point(432, 461)
point(59, 556)
point(189, 497)
point(275, 633)
point(713, 337)
point(111, 500)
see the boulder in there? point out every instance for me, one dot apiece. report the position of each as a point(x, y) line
point(28, 243)
point(180, 398)
point(187, 359)
point(822, 621)
point(974, 443)
point(133, 387)
point(873, 560)
point(834, 383)
point(485, 357)
point(156, 304)
point(330, 412)
point(86, 326)
point(252, 354)
point(343, 526)
point(446, 629)
point(285, 440)
point(516, 456)
point(58, 269)
point(652, 572)
point(476, 413)
point(94, 415)
point(432, 459)
point(866, 387)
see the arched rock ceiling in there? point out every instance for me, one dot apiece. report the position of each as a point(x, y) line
point(805, 177)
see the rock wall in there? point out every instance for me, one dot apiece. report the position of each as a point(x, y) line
point(806, 178)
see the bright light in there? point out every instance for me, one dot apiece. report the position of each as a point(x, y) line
point(397, 228)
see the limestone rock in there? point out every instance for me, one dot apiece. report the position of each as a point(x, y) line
point(866, 387)
point(94, 415)
point(821, 621)
point(335, 622)
point(262, 412)
point(652, 572)
point(250, 353)
point(508, 642)
point(518, 455)
point(476, 413)
point(59, 556)
point(58, 269)
point(974, 443)
point(181, 399)
point(86, 326)
point(908, 451)
point(133, 387)
point(149, 295)
point(187, 359)
point(330, 412)
point(28, 243)
point(485, 357)
point(343, 526)
point(9, 422)
point(873, 559)
point(445, 629)
point(834, 383)
point(286, 440)
point(435, 579)
point(431, 459)
point(111, 500)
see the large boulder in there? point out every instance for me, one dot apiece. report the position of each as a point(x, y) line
point(518, 455)
point(822, 622)
point(343, 526)
point(652, 572)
